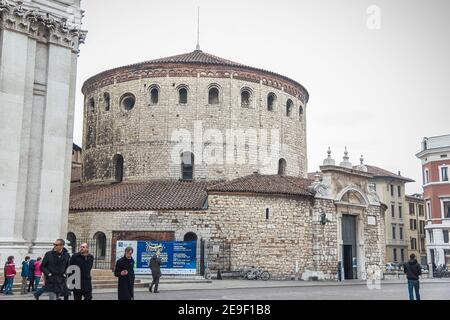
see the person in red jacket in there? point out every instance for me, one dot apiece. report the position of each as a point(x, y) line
point(10, 273)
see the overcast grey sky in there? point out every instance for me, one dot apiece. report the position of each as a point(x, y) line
point(379, 92)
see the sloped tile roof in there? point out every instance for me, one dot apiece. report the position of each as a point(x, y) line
point(196, 56)
point(265, 184)
point(379, 172)
point(149, 195)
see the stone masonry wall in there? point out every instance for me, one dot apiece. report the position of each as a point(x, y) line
point(276, 244)
point(143, 135)
point(324, 239)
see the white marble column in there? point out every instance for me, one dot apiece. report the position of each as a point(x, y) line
point(39, 43)
point(16, 52)
point(56, 132)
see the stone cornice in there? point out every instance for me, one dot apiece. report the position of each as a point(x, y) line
point(155, 70)
point(40, 25)
point(329, 168)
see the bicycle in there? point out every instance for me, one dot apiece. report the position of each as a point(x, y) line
point(256, 274)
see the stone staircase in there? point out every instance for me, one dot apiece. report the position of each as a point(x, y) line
point(101, 279)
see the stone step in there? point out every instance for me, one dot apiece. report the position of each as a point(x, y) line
point(102, 284)
point(18, 284)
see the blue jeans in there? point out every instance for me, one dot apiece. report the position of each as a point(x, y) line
point(9, 285)
point(413, 284)
point(41, 291)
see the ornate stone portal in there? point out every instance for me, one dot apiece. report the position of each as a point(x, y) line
point(39, 43)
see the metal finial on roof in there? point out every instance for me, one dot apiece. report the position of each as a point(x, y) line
point(361, 160)
point(198, 30)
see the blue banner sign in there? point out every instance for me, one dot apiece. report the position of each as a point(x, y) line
point(178, 257)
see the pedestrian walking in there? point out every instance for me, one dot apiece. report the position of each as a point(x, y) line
point(24, 275)
point(37, 272)
point(413, 271)
point(30, 276)
point(54, 266)
point(84, 260)
point(124, 271)
point(155, 266)
point(4, 279)
point(10, 273)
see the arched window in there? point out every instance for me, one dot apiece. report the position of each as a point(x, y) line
point(213, 96)
point(187, 166)
point(282, 167)
point(289, 106)
point(72, 241)
point(246, 95)
point(128, 101)
point(182, 96)
point(190, 236)
point(107, 101)
point(271, 101)
point(91, 105)
point(100, 245)
point(154, 95)
point(300, 113)
point(118, 168)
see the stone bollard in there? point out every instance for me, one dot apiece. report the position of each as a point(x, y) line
point(430, 271)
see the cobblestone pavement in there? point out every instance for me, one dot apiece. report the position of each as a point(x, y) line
point(290, 290)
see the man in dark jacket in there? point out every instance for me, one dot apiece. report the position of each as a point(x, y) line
point(54, 266)
point(413, 271)
point(84, 260)
point(125, 272)
point(30, 276)
point(155, 266)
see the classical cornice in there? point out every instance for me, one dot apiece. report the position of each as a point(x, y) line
point(40, 25)
point(195, 64)
point(163, 70)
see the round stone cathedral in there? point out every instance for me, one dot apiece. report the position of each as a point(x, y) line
point(227, 114)
point(194, 147)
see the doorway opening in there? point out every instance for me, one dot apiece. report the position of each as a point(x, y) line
point(349, 249)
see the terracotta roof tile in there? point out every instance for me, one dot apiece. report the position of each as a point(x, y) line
point(266, 184)
point(379, 172)
point(196, 56)
point(149, 195)
point(177, 195)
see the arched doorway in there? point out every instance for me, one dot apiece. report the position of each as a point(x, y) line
point(351, 205)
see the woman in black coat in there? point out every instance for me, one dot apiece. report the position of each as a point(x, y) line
point(125, 272)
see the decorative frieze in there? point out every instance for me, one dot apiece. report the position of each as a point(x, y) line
point(41, 25)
